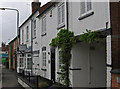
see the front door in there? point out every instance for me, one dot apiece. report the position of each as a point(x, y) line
point(53, 64)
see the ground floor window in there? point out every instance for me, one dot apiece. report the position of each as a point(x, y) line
point(44, 56)
point(21, 60)
point(29, 61)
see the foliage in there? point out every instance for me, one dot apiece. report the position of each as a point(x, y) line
point(65, 40)
point(43, 84)
point(91, 37)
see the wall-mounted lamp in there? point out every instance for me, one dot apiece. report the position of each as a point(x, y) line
point(51, 13)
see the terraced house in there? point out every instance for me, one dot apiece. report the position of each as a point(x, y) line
point(90, 65)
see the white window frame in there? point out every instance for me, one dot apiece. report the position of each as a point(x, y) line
point(85, 8)
point(27, 33)
point(21, 61)
point(59, 64)
point(43, 25)
point(61, 15)
point(29, 61)
point(44, 56)
point(22, 36)
point(34, 23)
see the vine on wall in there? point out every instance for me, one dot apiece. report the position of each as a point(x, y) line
point(65, 40)
point(91, 37)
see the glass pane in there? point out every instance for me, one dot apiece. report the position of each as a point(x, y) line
point(82, 6)
point(89, 5)
point(63, 15)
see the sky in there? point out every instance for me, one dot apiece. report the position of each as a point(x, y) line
point(8, 18)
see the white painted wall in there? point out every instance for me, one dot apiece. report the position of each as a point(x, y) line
point(28, 43)
point(92, 64)
point(51, 31)
point(94, 22)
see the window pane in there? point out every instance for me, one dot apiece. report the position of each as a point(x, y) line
point(34, 24)
point(82, 6)
point(27, 32)
point(89, 5)
point(44, 25)
point(22, 36)
point(59, 16)
point(63, 13)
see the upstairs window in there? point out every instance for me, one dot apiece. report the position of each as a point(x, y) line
point(43, 25)
point(85, 6)
point(22, 36)
point(34, 24)
point(27, 33)
point(34, 33)
point(61, 14)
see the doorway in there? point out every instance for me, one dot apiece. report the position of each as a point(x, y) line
point(52, 50)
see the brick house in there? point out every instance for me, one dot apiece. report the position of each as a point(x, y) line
point(115, 25)
point(13, 54)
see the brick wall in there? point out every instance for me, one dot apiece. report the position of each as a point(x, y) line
point(115, 24)
point(114, 81)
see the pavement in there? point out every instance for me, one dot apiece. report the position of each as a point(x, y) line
point(9, 79)
point(0, 75)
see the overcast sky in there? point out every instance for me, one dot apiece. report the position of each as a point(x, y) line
point(8, 18)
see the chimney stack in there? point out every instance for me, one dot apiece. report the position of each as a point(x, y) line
point(35, 5)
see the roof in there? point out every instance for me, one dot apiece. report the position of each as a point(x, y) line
point(13, 40)
point(45, 9)
point(41, 9)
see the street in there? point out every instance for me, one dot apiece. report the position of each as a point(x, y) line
point(9, 79)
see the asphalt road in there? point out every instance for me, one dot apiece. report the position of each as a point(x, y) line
point(9, 79)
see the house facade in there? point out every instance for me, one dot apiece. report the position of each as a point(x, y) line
point(90, 64)
point(13, 54)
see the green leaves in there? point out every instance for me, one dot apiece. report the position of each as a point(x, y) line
point(90, 37)
point(65, 40)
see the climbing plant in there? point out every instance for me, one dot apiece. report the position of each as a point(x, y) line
point(90, 37)
point(65, 40)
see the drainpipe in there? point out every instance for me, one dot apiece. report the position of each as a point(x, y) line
point(31, 47)
point(67, 19)
point(67, 15)
point(89, 65)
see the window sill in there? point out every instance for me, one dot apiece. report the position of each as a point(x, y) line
point(43, 69)
point(34, 37)
point(86, 15)
point(61, 26)
point(75, 68)
point(60, 72)
point(27, 41)
point(44, 34)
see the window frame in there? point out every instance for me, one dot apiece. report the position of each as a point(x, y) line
point(34, 27)
point(86, 7)
point(27, 33)
point(43, 25)
point(22, 36)
point(44, 57)
point(61, 15)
